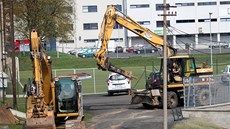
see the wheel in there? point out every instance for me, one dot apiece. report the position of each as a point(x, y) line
point(152, 51)
point(83, 56)
point(110, 93)
point(138, 52)
point(147, 106)
point(172, 100)
point(158, 49)
point(202, 97)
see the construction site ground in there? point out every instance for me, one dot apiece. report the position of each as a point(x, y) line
point(116, 112)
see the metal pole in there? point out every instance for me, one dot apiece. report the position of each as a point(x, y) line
point(165, 123)
point(94, 80)
point(211, 36)
point(125, 30)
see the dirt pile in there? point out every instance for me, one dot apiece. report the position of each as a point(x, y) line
point(6, 117)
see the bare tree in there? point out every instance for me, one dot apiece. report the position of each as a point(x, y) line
point(50, 18)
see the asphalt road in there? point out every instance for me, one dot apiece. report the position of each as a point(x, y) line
point(116, 112)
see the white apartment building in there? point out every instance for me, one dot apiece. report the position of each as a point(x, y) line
point(191, 25)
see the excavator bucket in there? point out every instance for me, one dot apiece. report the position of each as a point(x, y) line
point(42, 122)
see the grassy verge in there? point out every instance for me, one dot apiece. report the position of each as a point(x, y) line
point(196, 123)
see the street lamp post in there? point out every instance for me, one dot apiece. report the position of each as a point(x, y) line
point(210, 35)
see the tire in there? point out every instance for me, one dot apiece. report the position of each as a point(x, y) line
point(152, 51)
point(138, 52)
point(158, 49)
point(172, 100)
point(147, 106)
point(110, 93)
point(83, 56)
point(202, 97)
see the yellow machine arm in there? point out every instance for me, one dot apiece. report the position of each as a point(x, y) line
point(39, 101)
point(110, 18)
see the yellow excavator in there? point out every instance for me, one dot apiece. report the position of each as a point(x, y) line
point(152, 95)
point(51, 101)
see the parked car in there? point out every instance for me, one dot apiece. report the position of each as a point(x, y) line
point(225, 78)
point(119, 49)
point(72, 52)
point(87, 53)
point(130, 49)
point(133, 48)
point(118, 83)
point(217, 45)
point(145, 49)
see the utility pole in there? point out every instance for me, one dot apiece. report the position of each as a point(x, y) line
point(165, 57)
point(211, 36)
point(8, 22)
point(165, 85)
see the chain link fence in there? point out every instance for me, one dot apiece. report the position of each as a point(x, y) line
point(213, 90)
point(98, 83)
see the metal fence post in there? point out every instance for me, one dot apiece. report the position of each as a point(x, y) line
point(194, 96)
point(214, 89)
point(209, 88)
point(188, 99)
point(74, 71)
point(184, 96)
point(94, 81)
point(55, 73)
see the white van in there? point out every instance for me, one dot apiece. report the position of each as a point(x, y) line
point(118, 83)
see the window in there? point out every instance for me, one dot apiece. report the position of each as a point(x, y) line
point(86, 9)
point(117, 26)
point(117, 7)
point(207, 20)
point(185, 21)
point(90, 40)
point(68, 9)
point(117, 39)
point(224, 2)
point(224, 34)
point(144, 22)
point(161, 7)
point(161, 23)
point(139, 6)
point(206, 3)
point(225, 19)
point(90, 26)
point(184, 4)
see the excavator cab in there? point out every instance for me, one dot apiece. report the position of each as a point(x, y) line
point(66, 95)
point(185, 64)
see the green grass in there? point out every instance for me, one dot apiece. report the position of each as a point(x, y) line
point(196, 123)
point(134, 64)
point(69, 61)
point(12, 126)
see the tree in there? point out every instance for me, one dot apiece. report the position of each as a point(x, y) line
point(50, 18)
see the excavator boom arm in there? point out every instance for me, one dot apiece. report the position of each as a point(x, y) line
point(111, 17)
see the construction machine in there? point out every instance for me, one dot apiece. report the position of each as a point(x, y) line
point(51, 101)
point(152, 95)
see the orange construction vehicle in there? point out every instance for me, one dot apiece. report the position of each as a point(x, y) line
point(51, 101)
point(152, 95)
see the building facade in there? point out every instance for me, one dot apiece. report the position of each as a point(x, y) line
point(191, 25)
